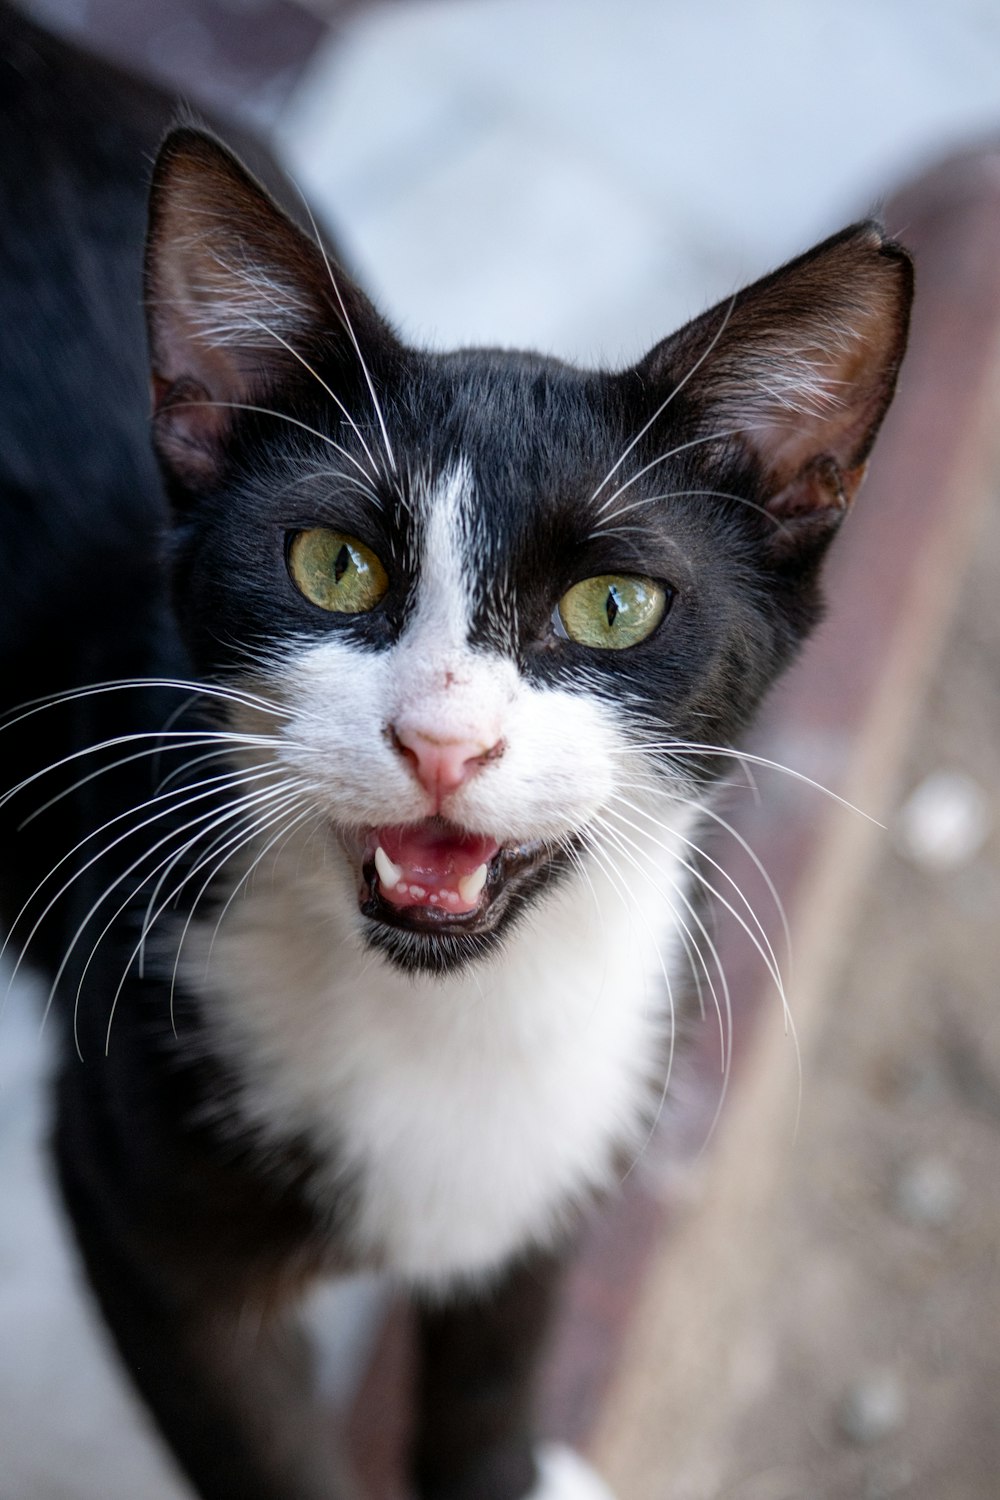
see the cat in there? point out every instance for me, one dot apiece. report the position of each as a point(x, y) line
point(364, 743)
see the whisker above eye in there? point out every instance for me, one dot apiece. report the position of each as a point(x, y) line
point(662, 458)
point(327, 476)
point(279, 416)
point(376, 404)
point(675, 391)
point(273, 333)
point(608, 530)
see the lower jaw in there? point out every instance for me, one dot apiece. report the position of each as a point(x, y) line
point(433, 953)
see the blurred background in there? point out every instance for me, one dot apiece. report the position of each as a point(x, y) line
point(807, 1313)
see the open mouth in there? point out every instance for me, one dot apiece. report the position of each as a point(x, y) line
point(435, 877)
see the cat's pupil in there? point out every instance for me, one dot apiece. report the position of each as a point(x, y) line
point(612, 606)
point(342, 563)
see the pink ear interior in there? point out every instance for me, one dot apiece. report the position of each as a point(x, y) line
point(800, 368)
point(234, 293)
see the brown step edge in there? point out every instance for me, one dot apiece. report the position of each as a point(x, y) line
point(640, 1359)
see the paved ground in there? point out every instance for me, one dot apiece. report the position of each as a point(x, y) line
point(879, 1357)
point(855, 1315)
point(582, 175)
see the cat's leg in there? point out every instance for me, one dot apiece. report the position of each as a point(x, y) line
point(226, 1377)
point(476, 1437)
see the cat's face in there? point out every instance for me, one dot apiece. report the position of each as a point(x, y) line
point(492, 598)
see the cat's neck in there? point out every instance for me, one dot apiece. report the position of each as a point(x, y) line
point(541, 1067)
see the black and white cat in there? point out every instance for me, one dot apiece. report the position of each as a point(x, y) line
point(372, 910)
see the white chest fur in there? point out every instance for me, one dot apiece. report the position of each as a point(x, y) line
point(469, 1112)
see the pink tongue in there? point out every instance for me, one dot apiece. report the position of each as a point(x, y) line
point(433, 858)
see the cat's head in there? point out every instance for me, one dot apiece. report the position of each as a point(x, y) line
point(494, 597)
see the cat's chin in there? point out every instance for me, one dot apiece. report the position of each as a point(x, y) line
point(419, 935)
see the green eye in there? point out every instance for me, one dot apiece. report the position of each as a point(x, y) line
point(613, 611)
point(336, 571)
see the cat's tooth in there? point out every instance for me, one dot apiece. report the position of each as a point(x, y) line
point(470, 886)
point(389, 874)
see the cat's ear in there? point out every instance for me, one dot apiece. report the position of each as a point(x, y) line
point(799, 370)
point(236, 298)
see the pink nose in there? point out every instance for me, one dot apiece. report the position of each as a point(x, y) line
point(442, 765)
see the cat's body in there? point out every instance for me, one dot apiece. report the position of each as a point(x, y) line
point(383, 968)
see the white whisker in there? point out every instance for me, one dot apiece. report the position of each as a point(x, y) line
point(377, 473)
point(608, 530)
point(149, 751)
point(707, 858)
point(121, 684)
point(280, 416)
point(208, 736)
point(168, 804)
point(744, 757)
point(625, 847)
point(603, 856)
point(276, 809)
point(662, 458)
point(376, 404)
point(210, 819)
point(283, 834)
point(243, 780)
point(132, 868)
point(675, 391)
point(725, 1025)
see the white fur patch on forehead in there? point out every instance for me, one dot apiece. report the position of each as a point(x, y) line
point(442, 686)
point(445, 574)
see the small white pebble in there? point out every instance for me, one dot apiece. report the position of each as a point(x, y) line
point(926, 1193)
point(943, 823)
point(872, 1408)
